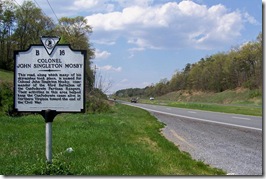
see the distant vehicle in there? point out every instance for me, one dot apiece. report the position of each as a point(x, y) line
point(133, 100)
point(151, 98)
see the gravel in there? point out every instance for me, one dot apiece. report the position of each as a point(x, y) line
point(237, 151)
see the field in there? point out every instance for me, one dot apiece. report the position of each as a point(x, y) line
point(126, 141)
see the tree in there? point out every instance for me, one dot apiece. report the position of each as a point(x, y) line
point(7, 18)
point(250, 58)
point(31, 24)
point(75, 31)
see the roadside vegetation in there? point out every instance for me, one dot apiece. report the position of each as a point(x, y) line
point(123, 141)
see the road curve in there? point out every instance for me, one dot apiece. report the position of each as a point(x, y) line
point(228, 141)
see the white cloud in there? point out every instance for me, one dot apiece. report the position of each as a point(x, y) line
point(170, 25)
point(110, 68)
point(250, 19)
point(151, 24)
point(101, 54)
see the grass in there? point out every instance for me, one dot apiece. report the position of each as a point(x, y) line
point(126, 141)
point(6, 76)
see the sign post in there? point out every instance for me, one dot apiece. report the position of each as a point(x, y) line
point(49, 79)
point(48, 116)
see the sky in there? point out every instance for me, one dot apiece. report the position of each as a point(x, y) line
point(140, 42)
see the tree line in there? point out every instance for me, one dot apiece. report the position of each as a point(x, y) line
point(22, 25)
point(240, 67)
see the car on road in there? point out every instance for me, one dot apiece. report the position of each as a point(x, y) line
point(133, 100)
point(151, 98)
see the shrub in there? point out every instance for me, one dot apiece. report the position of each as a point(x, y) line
point(97, 105)
point(97, 102)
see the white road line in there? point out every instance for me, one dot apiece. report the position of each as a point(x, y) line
point(241, 118)
point(192, 112)
point(198, 119)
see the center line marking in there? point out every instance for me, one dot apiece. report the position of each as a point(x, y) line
point(192, 112)
point(240, 118)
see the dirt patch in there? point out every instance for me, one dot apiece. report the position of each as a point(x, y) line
point(199, 93)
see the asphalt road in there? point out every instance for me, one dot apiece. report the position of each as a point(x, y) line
point(231, 142)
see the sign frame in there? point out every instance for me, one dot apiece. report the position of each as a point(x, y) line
point(17, 52)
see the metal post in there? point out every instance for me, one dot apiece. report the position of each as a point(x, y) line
point(48, 149)
point(49, 116)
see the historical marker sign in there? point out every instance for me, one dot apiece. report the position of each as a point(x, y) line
point(49, 77)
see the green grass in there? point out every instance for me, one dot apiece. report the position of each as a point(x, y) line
point(6, 76)
point(126, 141)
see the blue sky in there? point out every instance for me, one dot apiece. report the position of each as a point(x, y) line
point(140, 42)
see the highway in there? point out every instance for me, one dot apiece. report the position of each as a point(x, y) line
point(231, 142)
point(243, 121)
